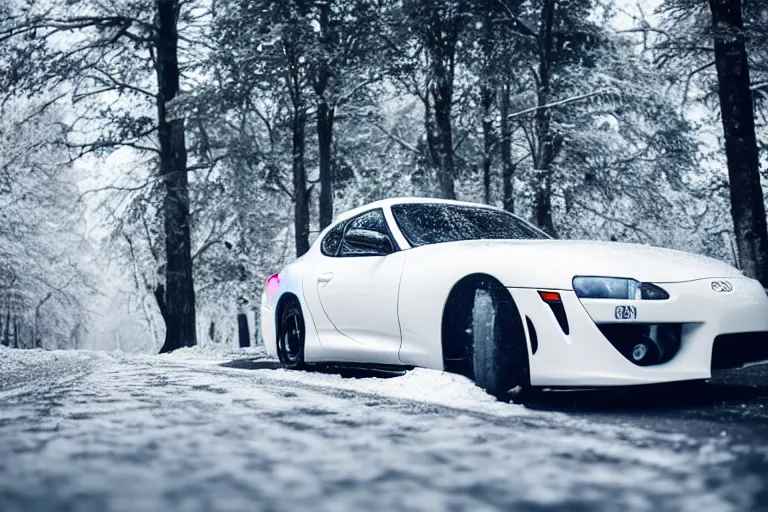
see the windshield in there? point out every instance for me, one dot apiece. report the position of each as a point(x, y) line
point(434, 223)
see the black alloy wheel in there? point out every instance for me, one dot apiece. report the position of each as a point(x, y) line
point(292, 333)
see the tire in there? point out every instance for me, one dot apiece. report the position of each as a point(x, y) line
point(290, 344)
point(484, 338)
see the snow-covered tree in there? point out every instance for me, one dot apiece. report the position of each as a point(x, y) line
point(45, 276)
point(118, 65)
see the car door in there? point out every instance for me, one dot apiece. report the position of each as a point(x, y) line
point(357, 290)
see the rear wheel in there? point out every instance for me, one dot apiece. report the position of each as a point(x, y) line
point(484, 339)
point(290, 345)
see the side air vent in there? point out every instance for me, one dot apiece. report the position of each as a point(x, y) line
point(533, 336)
point(552, 299)
point(559, 311)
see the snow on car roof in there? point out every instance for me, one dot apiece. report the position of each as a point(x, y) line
point(386, 203)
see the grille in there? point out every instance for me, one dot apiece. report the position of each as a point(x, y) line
point(736, 350)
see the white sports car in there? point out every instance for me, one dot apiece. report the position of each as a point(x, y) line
point(475, 290)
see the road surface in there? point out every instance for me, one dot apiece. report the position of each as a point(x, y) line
point(88, 431)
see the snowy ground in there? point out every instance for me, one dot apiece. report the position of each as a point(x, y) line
point(87, 431)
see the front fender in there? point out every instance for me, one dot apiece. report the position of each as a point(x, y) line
point(428, 277)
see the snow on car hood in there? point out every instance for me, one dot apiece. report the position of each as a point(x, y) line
point(554, 263)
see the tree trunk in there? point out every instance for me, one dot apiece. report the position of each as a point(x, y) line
point(444, 23)
point(256, 328)
point(747, 207)
point(487, 144)
point(433, 152)
point(7, 329)
point(325, 116)
point(212, 332)
point(507, 167)
point(443, 100)
point(542, 204)
point(300, 193)
point(486, 101)
point(36, 341)
point(243, 334)
point(16, 342)
point(179, 297)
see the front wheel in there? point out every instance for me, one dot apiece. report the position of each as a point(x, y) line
point(484, 338)
point(290, 345)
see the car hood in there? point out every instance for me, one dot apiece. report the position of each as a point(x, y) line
point(554, 263)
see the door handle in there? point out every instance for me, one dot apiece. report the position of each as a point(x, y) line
point(323, 279)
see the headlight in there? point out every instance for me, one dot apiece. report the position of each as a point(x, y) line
point(616, 288)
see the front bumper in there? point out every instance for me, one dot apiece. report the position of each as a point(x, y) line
point(584, 357)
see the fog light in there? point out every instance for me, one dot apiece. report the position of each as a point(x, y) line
point(644, 344)
point(639, 351)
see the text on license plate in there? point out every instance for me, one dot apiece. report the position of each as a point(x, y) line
point(626, 313)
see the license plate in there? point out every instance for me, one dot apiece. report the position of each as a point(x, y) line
point(626, 313)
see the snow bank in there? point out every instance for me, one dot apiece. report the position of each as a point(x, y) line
point(419, 385)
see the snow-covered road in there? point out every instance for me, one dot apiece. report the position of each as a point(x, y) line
point(85, 431)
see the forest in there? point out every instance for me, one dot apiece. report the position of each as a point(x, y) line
point(159, 159)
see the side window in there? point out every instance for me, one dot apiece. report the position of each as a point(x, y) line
point(373, 220)
point(332, 241)
point(369, 221)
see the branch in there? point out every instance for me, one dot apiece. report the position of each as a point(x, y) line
point(521, 27)
point(123, 85)
point(206, 246)
point(607, 217)
point(75, 23)
point(397, 139)
point(688, 80)
point(92, 147)
point(560, 103)
point(342, 99)
point(521, 160)
point(38, 110)
point(113, 188)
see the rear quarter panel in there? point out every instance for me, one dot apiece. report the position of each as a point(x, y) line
point(291, 278)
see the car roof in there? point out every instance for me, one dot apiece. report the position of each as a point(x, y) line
point(386, 203)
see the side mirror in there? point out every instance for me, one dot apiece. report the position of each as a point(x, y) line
point(368, 242)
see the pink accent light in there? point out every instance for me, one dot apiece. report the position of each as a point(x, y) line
point(273, 283)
